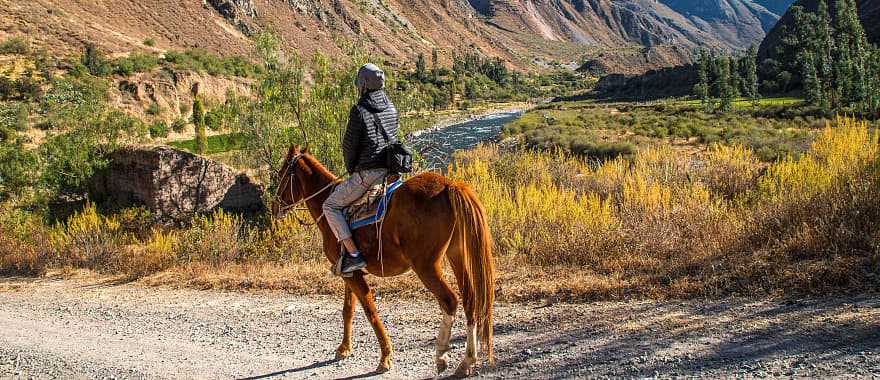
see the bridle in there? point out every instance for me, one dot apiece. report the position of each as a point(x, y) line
point(296, 206)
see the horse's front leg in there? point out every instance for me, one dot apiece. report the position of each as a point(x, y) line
point(361, 290)
point(344, 349)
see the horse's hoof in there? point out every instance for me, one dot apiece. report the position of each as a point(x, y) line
point(463, 373)
point(384, 367)
point(342, 353)
point(464, 370)
point(442, 365)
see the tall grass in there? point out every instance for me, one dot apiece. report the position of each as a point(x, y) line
point(666, 225)
point(658, 225)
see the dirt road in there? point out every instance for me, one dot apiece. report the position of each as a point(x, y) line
point(90, 329)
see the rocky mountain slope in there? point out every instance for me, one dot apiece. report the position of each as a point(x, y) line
point(725, 24)
point(627, 35)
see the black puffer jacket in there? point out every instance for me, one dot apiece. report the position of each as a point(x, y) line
point(363, 142)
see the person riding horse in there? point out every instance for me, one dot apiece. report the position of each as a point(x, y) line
point(362, 148)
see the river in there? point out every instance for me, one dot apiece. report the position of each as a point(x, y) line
point(436, 146)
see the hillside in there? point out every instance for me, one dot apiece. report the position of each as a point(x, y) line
point(626, 35)
point(725, 24)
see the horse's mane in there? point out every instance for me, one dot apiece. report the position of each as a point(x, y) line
point(317, 167)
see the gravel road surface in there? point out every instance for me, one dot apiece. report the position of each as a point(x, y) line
point(93, 329)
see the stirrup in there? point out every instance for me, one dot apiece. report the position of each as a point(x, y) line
point(336, 269)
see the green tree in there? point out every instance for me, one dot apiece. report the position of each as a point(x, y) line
point(725, 83)
point(702, 87)
point(736, 81)
point(824, 47)
point(874, 87)
point(749, 68)
point(843, 75)
point(812, 84)
point(18, 166)
point(420, 67)
point(280, 112)
point(434, 59)
point(198, 120)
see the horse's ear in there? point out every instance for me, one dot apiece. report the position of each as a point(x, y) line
point(292, 151)
point(305, 150)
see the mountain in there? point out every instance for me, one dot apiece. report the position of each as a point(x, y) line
point(627, 36)
point(724, 24)
point(735, 22)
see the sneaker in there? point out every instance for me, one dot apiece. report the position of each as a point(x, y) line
point(352, 263)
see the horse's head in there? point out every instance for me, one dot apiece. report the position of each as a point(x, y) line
point(290, 187)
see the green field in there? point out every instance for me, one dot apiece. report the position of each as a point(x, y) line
point(773, 127)
point(749, 103)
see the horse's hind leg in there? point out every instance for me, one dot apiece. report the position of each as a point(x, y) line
point(344, 349)
point(455, 256)
point(363, 293)
point(431, 276)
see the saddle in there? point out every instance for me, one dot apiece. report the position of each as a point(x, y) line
point(370, 208)
point(367, 210)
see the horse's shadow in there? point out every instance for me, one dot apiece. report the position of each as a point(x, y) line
point(307, 368)
point(292, 370)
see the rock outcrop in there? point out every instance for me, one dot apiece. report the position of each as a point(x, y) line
point(237, 12)
point(174, 184)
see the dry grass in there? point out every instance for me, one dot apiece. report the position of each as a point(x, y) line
point(658, 226)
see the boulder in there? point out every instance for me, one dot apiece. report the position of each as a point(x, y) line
point(174, 184)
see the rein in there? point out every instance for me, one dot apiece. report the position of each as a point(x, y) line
point(296, 206)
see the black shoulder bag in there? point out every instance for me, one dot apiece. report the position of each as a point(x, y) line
point(398, 157)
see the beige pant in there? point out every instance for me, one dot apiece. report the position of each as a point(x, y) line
point(345, 194)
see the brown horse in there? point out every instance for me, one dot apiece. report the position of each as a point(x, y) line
point(429, 217)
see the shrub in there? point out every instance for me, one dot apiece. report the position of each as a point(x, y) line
point(202, 61)
point(150, 42)
point(24, 243)
point(154, 109)
point(136, 62)
point(179, 125)
point(158, 252)
point(159, 130)
point(286, 240)
point(15, 45)
point(731, 171)
point(19, 170)
point(14, 116)
point(94, 61)
point(703, 226)
point(838, 154)
point(216, 239)
point(88, 239)
point(214, 119)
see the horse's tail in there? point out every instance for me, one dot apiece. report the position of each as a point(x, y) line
point(475, 242)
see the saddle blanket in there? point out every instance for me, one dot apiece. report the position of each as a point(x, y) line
point(371, 207)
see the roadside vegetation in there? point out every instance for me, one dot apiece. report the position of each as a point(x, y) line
point(656, 226)
point(606, 201)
